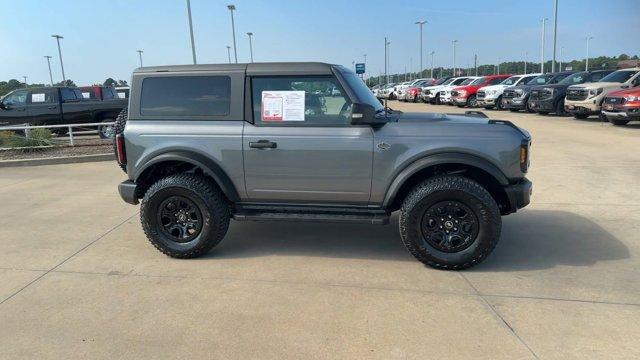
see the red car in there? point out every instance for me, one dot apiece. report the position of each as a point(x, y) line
point(466, 95)
point(622, 106)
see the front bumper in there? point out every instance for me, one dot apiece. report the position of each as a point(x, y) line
point(459, 100)
point(542, 105)
point(589, 107)
point(128, 192)
point(487, 102)
point(519, 195)
point(628, 114)
point(514, 103)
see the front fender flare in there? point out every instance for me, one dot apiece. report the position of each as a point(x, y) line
point(441, 159)
point(207, 165)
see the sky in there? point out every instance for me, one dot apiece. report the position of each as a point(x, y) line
point(101, 36)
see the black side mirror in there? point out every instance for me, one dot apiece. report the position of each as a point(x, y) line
point(4, 106)
point(365, 114)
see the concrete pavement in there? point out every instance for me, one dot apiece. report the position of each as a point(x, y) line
point(78, 278)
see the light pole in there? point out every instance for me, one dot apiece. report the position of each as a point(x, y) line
point(49, 66)
point(233, 31)
point(229, 53)
point(420, 23)
point(561, 50)
point(386, 59)
point(58, 37)
point(365, 66)
point(250, 34)
point(475, 63)
point(526, 53)
point(586, 64)
point(432, 52)
point(555, 35)
point(193, 43)
point(544, 22)
point(25, 80)
point(140, 56)
point(454, 42)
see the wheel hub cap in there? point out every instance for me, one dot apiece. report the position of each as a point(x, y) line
point(449, 226)
point(179, 218)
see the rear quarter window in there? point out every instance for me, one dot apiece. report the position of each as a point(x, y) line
point(186, 96)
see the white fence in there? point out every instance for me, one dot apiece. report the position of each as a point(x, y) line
point(69, 127)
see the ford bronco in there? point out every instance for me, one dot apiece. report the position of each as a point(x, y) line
point(203, 144)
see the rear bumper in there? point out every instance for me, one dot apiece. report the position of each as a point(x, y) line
point(128, 192)
point(519, 195)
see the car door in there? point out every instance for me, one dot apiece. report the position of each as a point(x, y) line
point(301, 146)
point(75, 108)
point(43, 106)
point(14, 109)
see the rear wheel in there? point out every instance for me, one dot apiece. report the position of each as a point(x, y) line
point(450, 222)
point(184, 215)
point(106, 131)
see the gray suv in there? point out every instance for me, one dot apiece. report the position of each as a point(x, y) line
point(203, 144)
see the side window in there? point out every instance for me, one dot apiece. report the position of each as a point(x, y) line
point(67, 94)
point(596, 77)
point(108, 93)
point(18, 98)
point(41, 97)
point(303, 101)
point(186, 96)
point(496, 81)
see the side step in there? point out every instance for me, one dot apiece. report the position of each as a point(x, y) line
point(359, 217)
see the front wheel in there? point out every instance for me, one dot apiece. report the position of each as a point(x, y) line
point(450, 222)
point(472, 101)
point(184, 215)
point(499, 103)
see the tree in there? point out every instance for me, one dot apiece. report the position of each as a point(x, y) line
point(110, 82)
point(67, 82)
point(122, 83)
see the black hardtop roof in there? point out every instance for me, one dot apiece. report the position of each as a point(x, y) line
point(267, 68)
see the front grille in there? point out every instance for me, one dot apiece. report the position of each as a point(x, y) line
point(509, 94)
point(577, 94)
point(614, 100)
point(454, 93)
point(535, 95)
point(480, 95)
point(442, 93)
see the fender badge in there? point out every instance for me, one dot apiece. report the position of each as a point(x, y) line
point(383, 146)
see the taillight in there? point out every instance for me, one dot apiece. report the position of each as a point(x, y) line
point(120, 151)
point(525, 148)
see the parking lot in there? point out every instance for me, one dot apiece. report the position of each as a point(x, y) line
point(78, 278)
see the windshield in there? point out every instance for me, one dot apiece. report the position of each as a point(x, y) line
point(618, 76)
point(443, 81)
point(540, 80)
point(361, 90)
point(510, 81)
point(578, 78)
point(556, 79)
point(478, 81)
point(466, 82)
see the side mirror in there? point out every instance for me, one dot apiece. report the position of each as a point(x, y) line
point(364, 114)
point(5, 106)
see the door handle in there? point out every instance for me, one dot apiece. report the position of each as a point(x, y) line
point(263, 144)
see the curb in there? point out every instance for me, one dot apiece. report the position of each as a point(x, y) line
point(57, 160)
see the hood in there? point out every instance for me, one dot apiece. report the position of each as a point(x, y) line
point(494, 87)
point(633, 92)
point(596, 85)
point(439, 118)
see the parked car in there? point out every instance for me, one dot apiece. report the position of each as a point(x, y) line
point(491, 96)
point(376, 89)
point(386, 91)
point(430, 93)
point(585, 100)
point(545, 99)
point(399, 90)
point(465, 95)
point(57, 105)
point(620, 107)
point(103, 93)
point(515, 98)
point(445, 91)
point(411, 92)
point(372, 163)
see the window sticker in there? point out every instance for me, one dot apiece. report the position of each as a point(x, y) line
point(86, 95)
point(37, 98)
point(282, 106)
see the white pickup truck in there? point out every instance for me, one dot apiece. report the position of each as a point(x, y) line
point(491, 96)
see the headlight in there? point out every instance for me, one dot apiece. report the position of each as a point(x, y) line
point(595, 92)
point(462, 93)
point(548, 90)
point(492, 92)
point(631, 98)
point(519, 92)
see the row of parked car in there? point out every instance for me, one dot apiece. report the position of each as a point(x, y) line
point(613, 95)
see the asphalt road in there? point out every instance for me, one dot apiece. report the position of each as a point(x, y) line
point(78, 278)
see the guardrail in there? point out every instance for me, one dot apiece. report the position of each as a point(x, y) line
point(70, 127)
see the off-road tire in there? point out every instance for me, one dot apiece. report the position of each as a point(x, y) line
point(617, 122)
point(450, 188)
point(209, 200)
point(118, 128)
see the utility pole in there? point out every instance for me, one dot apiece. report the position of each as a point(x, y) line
point(561, 50)
point(498, 67)
point(544, 22)
point(526, 53)
point(233, 31)
point(454, 42)
point(386, 59)
point(420, 23)
point(475, 63)
point(250, 34)
point(229, 53)
point(432, 52)
point(193, 43)
point(586, 64)
point(25, 80)
point(364, 76)
point(49, 65)
point(555, 35)
point(58, 37)
point(140, 56)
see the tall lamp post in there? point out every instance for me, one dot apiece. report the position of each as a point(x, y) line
point(58, 37)
point(420, 23)
point(364, 75)
point(544, 23)
point(193, 43)
point(49, 66)
point(229, 53)
point(454, 42)
point(140, 56)
point(250, 34)
point(526, 53)
point(232, 8)
point(386, 59)
point(586, 64)
point(561, 50)
point(432, 53)
point(555, 35)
